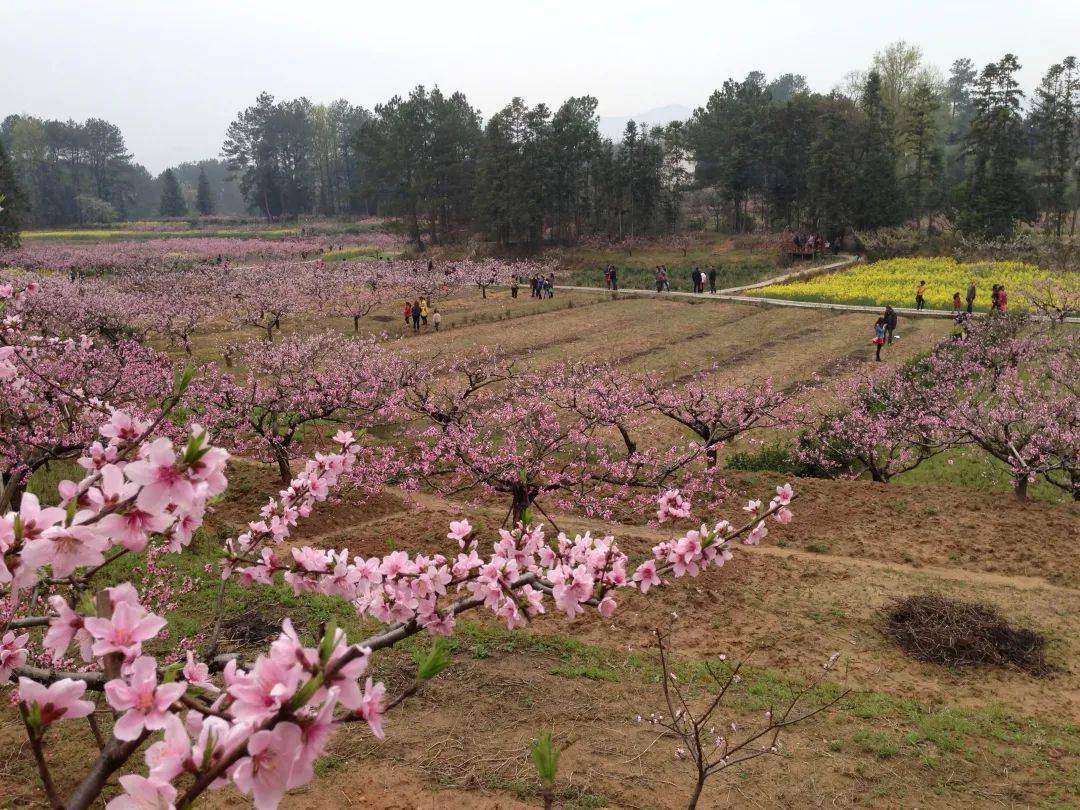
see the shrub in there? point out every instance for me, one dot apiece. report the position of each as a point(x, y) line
point(94, 209)
point(772, 458)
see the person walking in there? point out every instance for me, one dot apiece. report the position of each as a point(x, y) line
point(890, 323)
point(513, 288)
point(971, 297)
point(614, 278)
point(879, 337)
point(659, 279)
point(408, 312)
point(423, 310)
point(436, 319)
point(712, 279)
point(695, 280)
point(415, 312)
point(664, 276)
point(920, 299)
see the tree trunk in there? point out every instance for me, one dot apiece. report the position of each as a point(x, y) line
point(520, 504)
point(284, 468)
point(1020, 486)
point(698, 787)
point(11, 492)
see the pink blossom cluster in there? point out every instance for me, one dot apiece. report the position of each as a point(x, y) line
point(55, 390)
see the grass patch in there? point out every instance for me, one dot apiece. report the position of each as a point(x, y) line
point(972, 468)
point(878, 743)
point(589, 671)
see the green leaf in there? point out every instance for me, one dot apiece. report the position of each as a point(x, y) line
point(435, 660)
point(305, 692)
point(545, 757)
point(184, 378)
point(169, 673)
point(326, 647)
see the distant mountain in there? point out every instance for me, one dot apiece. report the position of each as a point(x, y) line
point(613, 126)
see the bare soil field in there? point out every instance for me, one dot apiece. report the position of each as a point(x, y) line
point(908, 734)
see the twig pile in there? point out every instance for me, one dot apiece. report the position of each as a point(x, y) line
point(955, 633)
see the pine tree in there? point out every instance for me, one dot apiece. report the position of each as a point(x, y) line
point(172, 201)
point(204, 200)
point(11, 201)
point(995, 196)
point(879, 200)
point(1055, 128)
point(920, 132)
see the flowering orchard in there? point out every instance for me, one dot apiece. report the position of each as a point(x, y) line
point(140, 300)
point(75, 650)
point(1003, 385)
point(123, 255)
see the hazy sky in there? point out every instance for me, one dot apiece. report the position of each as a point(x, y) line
point(172, 75)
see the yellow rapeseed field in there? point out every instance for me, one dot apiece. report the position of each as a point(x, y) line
point(893, 281)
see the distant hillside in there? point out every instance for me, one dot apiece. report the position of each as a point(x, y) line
point(613, 126)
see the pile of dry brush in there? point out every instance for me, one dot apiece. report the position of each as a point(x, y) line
point(955, 633)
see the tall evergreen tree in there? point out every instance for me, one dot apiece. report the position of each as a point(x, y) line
point(919, 133)
point(995, 195)
point(1055, 127)
point(204, 199)
point(724, 135)
point(832, 182)
point(879, 200)
point(11, 201)
point(172, 201)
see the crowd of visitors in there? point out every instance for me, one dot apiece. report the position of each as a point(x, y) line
point(697, 279)
point(811, 246)
point(885, 326)
point(543, 286)
point(418, 312)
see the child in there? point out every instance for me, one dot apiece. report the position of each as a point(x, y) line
point(919, 299)
point(436, 318)
point(955, 303)
point(879, 337)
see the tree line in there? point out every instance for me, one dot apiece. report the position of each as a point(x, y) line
point(897, 143)
point(71, 173)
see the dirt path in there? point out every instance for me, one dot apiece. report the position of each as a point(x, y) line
point(734, 294)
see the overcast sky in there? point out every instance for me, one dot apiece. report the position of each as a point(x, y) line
point(172, 75)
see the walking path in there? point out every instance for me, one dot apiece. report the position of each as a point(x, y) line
point(734, 294)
